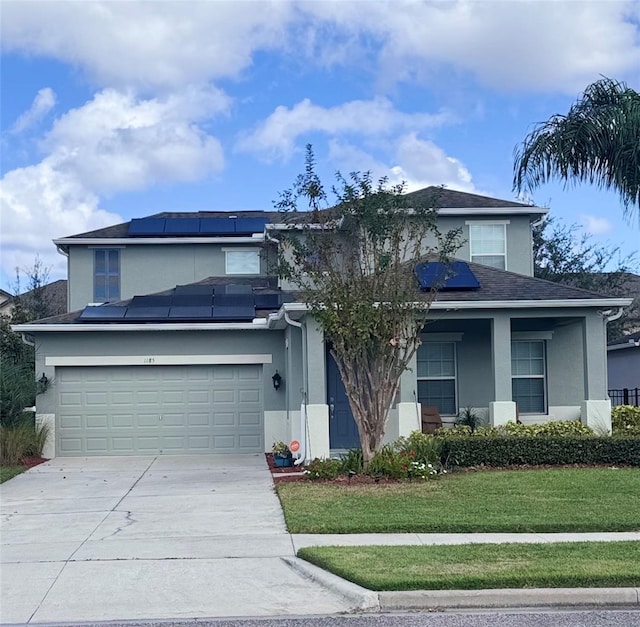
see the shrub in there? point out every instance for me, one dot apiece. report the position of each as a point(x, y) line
point(468, 417)
point(421, 447)
point(512, 450)
point(22, 439)
point(388, 462)
point(323, 469)
point(351, 461)
point(625, 420)
point(17, 391)
point(554, 428)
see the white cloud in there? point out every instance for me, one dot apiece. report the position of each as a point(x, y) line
point(114, 143)
point(44, 101)
point(596, 225)
point(277, 135)
point(146, 44)
point(416, 162)
point(525, 45)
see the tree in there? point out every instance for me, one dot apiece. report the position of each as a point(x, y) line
point(598, 142)
point(561, 255)
point(354, 265)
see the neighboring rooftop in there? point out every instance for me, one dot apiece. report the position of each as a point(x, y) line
point(52, 295)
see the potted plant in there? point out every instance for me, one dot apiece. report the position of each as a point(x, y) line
point(281, 455)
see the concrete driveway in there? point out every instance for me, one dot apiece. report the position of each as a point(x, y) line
point(90, 539)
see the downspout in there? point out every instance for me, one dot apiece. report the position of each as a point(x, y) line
point(609, 317)
point(26, 340)
point(303, 412)
point(65, 253)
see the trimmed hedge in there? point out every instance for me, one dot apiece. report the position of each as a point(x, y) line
point(515, 451)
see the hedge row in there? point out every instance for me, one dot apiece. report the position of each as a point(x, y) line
point(512, 451)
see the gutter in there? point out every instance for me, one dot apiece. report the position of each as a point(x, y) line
point(121, 241)
point(259, 324)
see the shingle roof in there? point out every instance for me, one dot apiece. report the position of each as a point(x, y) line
point(444, 198)
point(626, 339)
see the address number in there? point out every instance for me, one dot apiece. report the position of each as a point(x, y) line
point(149, 360)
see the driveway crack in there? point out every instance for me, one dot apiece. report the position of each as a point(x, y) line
point(70, 558)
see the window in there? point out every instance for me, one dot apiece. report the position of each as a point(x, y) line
point(528, 376)
point(488, 244)
point(437, 376)
point(106, 275)
point(242, 262)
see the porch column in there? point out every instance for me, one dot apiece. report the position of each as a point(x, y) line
point(317, 408)
point(596, 408)
point(502, 409)
point(408, 406)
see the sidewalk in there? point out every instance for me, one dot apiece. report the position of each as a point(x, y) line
point(301, 540)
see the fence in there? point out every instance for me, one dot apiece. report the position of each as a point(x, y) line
point(626, 396)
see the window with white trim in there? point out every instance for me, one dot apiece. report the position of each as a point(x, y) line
point(106, 275)
point(488, 244)
point(242, 261)
point(436, 370)
point(528, 376)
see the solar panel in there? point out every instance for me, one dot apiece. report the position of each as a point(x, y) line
point(191, 312)
point(103, 312)
point(182, 226)
point(247, 226)
point(233, 300)
point(153, 300)
point(234, 312)
point(217, 226)
point(147, 313)
point(192, 300)
point(147, 226)
point(193, 290)
point(267, 301)
point(236, 288)
point(454, 276)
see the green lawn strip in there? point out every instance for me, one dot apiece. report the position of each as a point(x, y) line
point(483, 566)
point(8, 472)
point(567, 499)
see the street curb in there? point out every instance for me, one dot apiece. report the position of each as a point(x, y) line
point(363, 599)
point(510, 597)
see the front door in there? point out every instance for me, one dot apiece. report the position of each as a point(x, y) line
point(343, 432)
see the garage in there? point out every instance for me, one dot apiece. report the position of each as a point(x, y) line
point(143, 410)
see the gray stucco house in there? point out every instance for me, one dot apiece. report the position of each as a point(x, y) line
point(623, 360)
point(175, 333)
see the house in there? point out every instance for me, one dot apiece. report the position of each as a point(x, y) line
point(623, 363)
point(52, 296)
point(179, 341)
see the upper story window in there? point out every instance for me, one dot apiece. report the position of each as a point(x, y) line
point(488, 244)
point(245, 261)
point(106, 275)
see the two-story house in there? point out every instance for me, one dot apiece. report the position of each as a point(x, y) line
point(179, 342)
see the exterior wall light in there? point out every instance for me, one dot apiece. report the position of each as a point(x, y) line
point(277, 381)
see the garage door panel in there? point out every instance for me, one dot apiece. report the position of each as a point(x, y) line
point(167, 409)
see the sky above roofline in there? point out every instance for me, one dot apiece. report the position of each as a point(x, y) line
point(117, 110)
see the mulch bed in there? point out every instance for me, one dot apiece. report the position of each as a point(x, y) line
point(30, 462)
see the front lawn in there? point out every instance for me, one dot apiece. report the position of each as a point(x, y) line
point(565, 499)
point(8, 472)
point(481, 566)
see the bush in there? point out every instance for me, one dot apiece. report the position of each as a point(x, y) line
point(512, 451)
point(421, 447)
point(351, 461)
point(23, 439)
point(625, 420)
point(469, 417)
point(323, 469)
point(17, 391)
point(554, 428)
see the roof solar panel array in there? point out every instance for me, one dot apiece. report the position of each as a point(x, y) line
point(197, 226)
point(453, 276)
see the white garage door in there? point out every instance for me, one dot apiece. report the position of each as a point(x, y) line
point(139, 410)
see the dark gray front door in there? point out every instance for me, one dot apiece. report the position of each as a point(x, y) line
point(343, 432)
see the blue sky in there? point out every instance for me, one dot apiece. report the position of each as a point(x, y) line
point(114, 110)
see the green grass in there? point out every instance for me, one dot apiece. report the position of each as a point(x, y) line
point(580, 499)
point(480, 566)
point(8, 472)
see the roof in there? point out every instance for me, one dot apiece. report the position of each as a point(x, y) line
point(444, 199)
point(54, 294)
point(452, 199)
point(498, 289)
point(632, 340)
